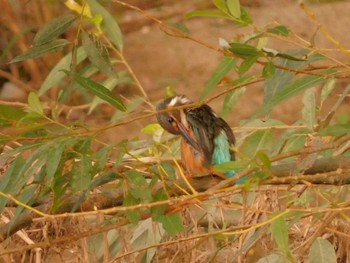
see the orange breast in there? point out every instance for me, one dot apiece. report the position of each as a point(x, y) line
point(193, 160)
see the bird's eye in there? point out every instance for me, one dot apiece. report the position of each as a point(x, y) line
point(170, 119)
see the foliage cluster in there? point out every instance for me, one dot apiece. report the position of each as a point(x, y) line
point(51, 160)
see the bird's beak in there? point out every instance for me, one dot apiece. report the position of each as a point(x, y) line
point(187, 136)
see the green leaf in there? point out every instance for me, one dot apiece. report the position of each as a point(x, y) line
point(259, 140)
point(224, 68)
point(168, 170)
point(83, 145)
point(206, 13)
point(246, 19)
point(279, 30)
point(102, 157)
point(34, 103)
point(11, 113)
point(57, 73)
point(327, 89)
point(10, 179)
point(97, 53)
point(289, 91)
point(138, 186)
point(172, 224)
point(151, 128)
point(20, 149)
point(231, 100)
point(157, 211)
point(269, 70)
point(133, 104)
point(281, 77)
point(247, 64)
point(25, 197)
point(134, 216)
point(101, 92)
point(245, 50)
point(264, 158)
point(37, 51)
point(80, 176)
point(53, 29)
point(309, 109)
point(322, 251)
point(111, 83)
point(233, 165)
point(221, 5)
point(12, 42)
point(234, 8)
point(279, 229)
point(54, 156)
point(109, 25)
point(287, 56)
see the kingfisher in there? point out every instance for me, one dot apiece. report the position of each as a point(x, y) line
point(206, 138)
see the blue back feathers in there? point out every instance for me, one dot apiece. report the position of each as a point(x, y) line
point(222, 152)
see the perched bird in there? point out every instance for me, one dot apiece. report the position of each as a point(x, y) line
point(206, 138)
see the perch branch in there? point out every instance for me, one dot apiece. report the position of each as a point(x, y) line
point(332, 170)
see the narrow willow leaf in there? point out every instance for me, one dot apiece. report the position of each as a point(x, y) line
point(289, 91)
point(110, 84)
point(56, 74)
point(132, 105)
point(102, 157)
point(231, 100)
point(138, 186)
point(246, 18)
point(81, 10)
point(245, 50)
point(269, 70)
point(54, 156)
point(281, 77)
point(53, 29)
point(264, 158)
point(287, 56)
point(279, 30)
point(172, 224)
point(19, 149)
point(109, 25)
point(25, 197)
point(279, 229)
point(259, 140)
point(274, 53)
point(206, 13)
point(221, 5)
point(97, 53)
point(327, 89)
point(11, 113)
point(151, 128)
point(83, 145)
point(233, 165)
point(101, 92)
point(80, 176)
point(221, 71)
point(134, 216)
point(34, 103)
point(234, 8)
point(9, 180)
point(309, 109)
point(247, 64)
point(322, 251)
point(37, 51)
point(157, 211)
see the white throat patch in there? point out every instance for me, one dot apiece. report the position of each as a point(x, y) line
point(179, 100)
